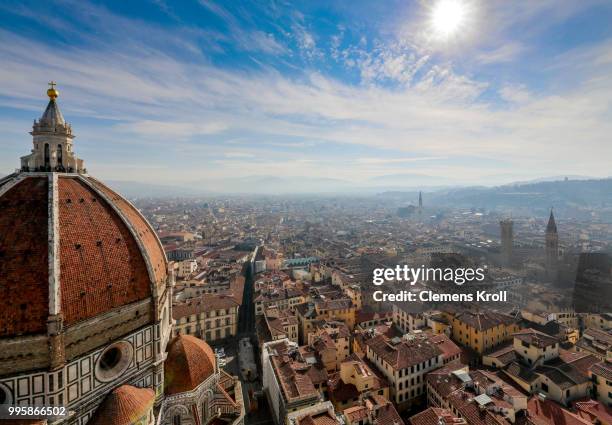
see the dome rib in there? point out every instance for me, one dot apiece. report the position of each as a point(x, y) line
point(141, 229)
point(101, 265)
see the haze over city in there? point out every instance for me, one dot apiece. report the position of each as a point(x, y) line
point(316, 95)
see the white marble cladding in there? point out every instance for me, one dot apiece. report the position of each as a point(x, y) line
point(76, 386)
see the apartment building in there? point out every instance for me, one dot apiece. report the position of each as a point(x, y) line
point(355, 379)
point(286, 382)
point(601, 375)
point(597, 342)
point(211, 317)
point(404, 362)
point(539, 368)
point(372, 410)
point(281, 298)
point(477, 397)
point(281, 324)
point(482, 331)
point(405, 320)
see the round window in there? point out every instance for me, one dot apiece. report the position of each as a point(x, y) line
point(5, 395)
point(114, 361)
point(110, 359)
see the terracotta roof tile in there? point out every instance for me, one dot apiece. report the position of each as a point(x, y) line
point(435, 416)
point(546, 412)
point(140, 224)
point(205, 303)
point(404, 353)
point(483, 321)
point(190, 362)
point(124, 406)
point(387, 415)
point(594, 411)
point(324, 418)
point(536, 338)
point(603, 369)
point(24, 271)
point(101, 265)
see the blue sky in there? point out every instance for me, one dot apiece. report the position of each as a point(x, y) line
point(202, 91)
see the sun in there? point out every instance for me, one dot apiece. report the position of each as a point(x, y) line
point(447, 17)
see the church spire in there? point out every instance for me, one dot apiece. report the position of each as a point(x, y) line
point(52, 117)
point(551, 227)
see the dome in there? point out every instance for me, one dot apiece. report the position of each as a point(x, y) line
point(190, 362)
point(70, 245)
point(125, 405)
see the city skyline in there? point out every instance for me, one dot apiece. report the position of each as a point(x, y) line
point(176, 94)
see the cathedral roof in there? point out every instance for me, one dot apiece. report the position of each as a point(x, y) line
point(190, 362)
point(124, 406)
point(71, 245)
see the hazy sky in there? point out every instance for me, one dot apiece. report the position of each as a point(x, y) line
point(171, 92)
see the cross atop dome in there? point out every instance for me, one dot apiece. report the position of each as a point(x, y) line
point(52, 92)
point(52, 138)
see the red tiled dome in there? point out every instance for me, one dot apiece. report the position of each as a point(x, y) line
point(190, 361)
point(72, 233)
point(124, 406)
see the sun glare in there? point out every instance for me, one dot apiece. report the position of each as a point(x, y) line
point(448, 16)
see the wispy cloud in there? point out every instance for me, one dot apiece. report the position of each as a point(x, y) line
point(249, 40)
point(507, 52)
point(408, 110)
point(515, 93)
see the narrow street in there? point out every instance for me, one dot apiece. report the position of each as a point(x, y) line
point(246, 328)
point(246, 314)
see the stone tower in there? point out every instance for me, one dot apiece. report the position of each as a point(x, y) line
point(420, 209)
point(552, 247)
point(507, 240)
point(52, 138)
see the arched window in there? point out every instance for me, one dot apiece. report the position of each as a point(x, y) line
point(47, 156)
point(59, 155)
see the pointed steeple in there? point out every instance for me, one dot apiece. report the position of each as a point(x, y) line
point(551, 227)
point(420, 199)
point(52, 116)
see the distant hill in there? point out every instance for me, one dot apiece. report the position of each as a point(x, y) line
point(570, 195)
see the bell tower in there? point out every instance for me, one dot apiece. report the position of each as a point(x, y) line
point(52, 139)
point(551, 247)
